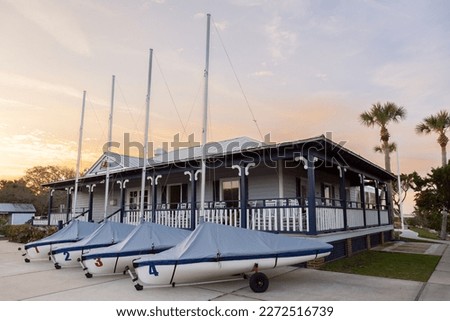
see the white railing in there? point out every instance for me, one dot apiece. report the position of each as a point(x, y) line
point(384, 217)
point(283, 219)
point(329, 218)
point(371, 217)
point(355, 218)
point(179, 218)
point(279, 215)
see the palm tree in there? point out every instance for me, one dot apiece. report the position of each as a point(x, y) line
point(382, 115)
point(439, 124)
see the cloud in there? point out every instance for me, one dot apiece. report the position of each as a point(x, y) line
point(282, 42)
point(263, 73)
point(54, 19)
point(16, 80)
point(37, 148)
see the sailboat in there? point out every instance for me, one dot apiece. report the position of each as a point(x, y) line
point(146, 238)
point(106, 234)
point(75, 230)
point(215, 251)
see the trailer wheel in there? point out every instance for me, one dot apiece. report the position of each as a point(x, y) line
point(57, 266)
point(138, 287)
point(27, 260)
point(88, 275)
point(259, 282)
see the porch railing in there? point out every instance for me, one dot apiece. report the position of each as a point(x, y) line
point(287, 215)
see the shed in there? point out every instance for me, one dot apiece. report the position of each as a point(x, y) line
point(17, 213)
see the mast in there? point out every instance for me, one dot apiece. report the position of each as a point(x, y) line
point(80, 142)
point(109, 146)
point(205, 122)
point(147, 120)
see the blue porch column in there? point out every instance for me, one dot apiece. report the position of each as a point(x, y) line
point(377, 199)
point(343, 194)
point(50, 206)
point(154, 183)
point(123, 190)
point(311, 197)
point(69, 202)
point(362, 191)
point(91, 202)
point(193, 180)
point(243, 171)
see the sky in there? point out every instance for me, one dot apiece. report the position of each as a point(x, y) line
point(294, 69)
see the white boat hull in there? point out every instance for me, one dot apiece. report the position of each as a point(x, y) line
point(109, 265)
point(67, 258)
point(162, 274)
point(42, 251)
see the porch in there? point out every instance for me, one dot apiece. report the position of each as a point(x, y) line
point(286, 215)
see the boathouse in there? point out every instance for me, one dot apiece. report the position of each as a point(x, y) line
point(312, 187)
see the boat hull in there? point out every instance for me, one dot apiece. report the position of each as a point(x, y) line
point(38, 252)
point(67, 258)
point(169, 273)
point(108, 265)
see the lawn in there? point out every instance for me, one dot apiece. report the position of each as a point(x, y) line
point(415, 267)
point(425, 233)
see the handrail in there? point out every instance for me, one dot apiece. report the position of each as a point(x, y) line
point(74, 218)
point(109, 216)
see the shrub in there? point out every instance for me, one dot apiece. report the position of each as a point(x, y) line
point(27, 233)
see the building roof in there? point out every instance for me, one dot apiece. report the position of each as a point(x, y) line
point(243, 146)
point(119, 162)
point(16, 208)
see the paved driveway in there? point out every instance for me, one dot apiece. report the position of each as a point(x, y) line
point(39, 280)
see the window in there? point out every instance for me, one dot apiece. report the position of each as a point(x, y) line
point(230, 192)
point(176, 194)
point(134, 199)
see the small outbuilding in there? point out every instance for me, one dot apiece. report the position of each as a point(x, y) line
point(17, 213)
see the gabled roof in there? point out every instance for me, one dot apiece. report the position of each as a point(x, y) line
point(17, 208)
point(119, 162)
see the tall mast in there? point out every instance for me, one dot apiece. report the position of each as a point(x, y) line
point(80, 142)
point(111, 112)
point(147, 120)
point(205, 121)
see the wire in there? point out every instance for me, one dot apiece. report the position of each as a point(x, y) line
point(171, 96)
point(239, 82)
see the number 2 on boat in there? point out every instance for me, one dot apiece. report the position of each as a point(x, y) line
point(67, 254)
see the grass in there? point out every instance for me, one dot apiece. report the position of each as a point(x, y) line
point(425, 233)
point(415, 267)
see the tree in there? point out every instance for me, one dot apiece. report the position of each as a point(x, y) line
point(382, 115)
point(36, 176)
point(407, 182)
point(433, 197)
point(438, 124)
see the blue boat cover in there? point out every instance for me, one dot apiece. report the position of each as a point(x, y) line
point(146, 238)
point(106, 234)
point(72, 232)
point(216, 242)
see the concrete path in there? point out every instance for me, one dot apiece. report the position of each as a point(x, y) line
point(39, 280)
